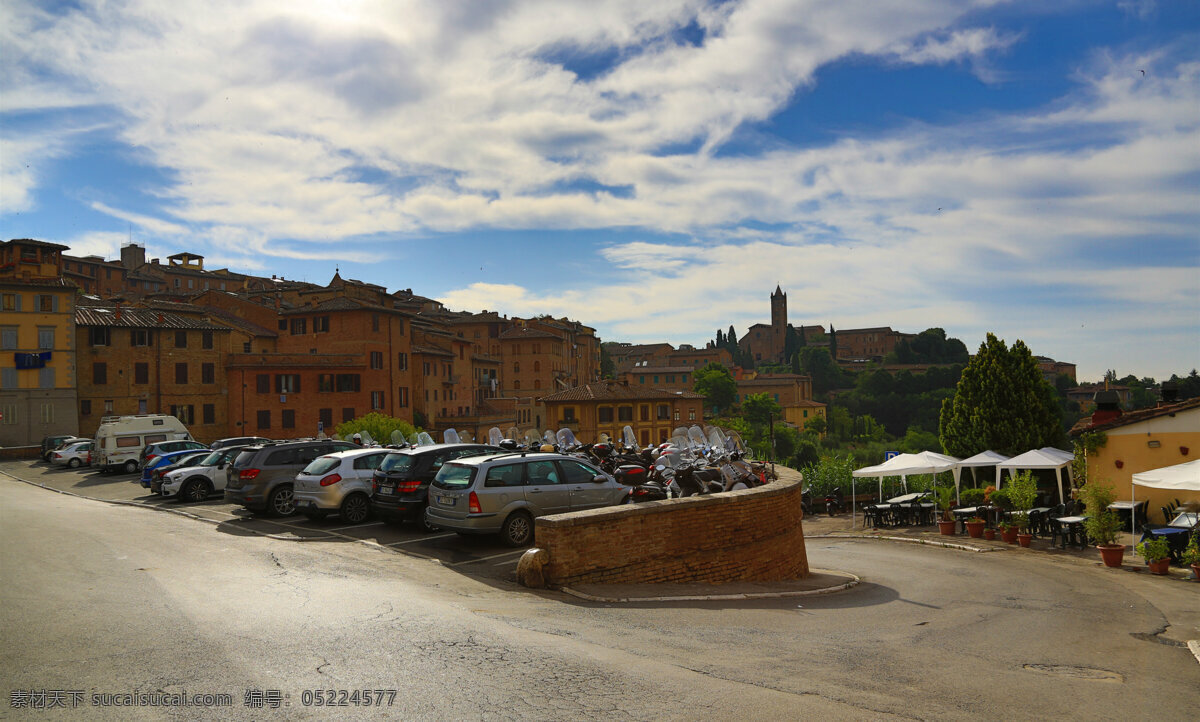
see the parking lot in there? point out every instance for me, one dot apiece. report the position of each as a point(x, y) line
point(482, 556)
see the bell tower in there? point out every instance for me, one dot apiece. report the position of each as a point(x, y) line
point(778, 322)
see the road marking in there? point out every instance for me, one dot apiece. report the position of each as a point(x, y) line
point(484, 559)
point(355, 526)
point(419, 539)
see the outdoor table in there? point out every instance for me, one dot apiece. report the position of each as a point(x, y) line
point(1177, 538)
point(1073, 529)
point(1185, 520)
point(907, 498)
point(1137, 507)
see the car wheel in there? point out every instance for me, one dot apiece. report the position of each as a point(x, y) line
point(195, 490)
point(130, 466)
point(517, 530)
point(281, 502)
point(422, 521)
point(74, 463)
point(356, 509)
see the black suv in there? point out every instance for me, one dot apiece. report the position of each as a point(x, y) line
point(400, 489)
point(261, 476)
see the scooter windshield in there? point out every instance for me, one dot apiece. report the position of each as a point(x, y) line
point(494, 436)
point(566, 439)
point(532, 439)
point(628, 438)
point(450, 436)
point(424, 439)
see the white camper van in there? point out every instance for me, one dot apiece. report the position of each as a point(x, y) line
point(120, 439)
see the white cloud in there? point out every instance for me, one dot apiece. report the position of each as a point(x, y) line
point(154, 225)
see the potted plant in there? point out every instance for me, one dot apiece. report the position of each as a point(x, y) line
point(1191, 555)
point(1022, 491)
point(1000, 499)
point(989, 533)
point(1157, 553)
point(1103, 525)
point(1008, 531)
point(975, 527)
point(945, 502)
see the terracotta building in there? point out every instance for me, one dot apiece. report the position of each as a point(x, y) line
point(609, 406)
point(867, 343)
point(766, 342)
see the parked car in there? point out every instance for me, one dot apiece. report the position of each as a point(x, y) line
point(238, 441)
point(150, 451)
point(153, 473)
point(503, 493)
point(73, 454)
point(400, 489)
point(52, 443)
point(338, 483)
point(261, 478)
point(196, 483)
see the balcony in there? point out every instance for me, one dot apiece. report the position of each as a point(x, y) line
point(451, 379)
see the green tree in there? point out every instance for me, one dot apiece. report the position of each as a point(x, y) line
point(833, 347)
point(717, 386)
point(816, 425)
point(379, 426)
point(1002, 403)
point(761, 409)
point(817, 362)
point(607, 367)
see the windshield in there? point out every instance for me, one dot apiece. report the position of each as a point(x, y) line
point(322, 465)
point(450, 436)
point(397, 463)
point(628, 438)
point(454, 476)
point(566, 439)
point(494, 436)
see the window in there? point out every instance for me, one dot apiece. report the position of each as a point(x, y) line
point(246, 347)
point(206, 339)
point(537, 384)
point(624, 413)
point(208, 374)
point(324, 382)
point(210, 414)
point(321, 324)
point(191, 283)
point(287, 418)
point(11, 301)
point(46, 338)
point(516, 385)
point(541, 472)
point(262, 383)
point(577, 473)
point(99, 373)
point(691, 414)
point(604, 414)
point(569, 413)
point(8, 338)
point(376, 359)
point(108, 406)
point(402, 397)
point(186, 414)
point(283, 324)
point(664, 412)
point(516, 367)
point(376, 400)
point(299, 326)
point(46, 377)
point(100, 336)
point(287, 383)
point(85, 407)
point(374, 322)
point(641, 379)
point(139, 337)
point(402, 361)
point(505, 475)
point(47, 303)
point(264, 419)
point(181, 373)
point(644, 412)
point(348, 414)
point(181, 339)
point(425, 368)
point(346, 382)
point(141, 373)
point(537, 365)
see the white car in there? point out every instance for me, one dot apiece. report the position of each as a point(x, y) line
point(73, 455)
point(195, 483)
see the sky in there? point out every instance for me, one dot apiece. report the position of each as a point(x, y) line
point(652, 169)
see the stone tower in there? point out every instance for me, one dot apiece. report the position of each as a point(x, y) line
point(778, 323)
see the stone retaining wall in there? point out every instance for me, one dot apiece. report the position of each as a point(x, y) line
point(750, 535)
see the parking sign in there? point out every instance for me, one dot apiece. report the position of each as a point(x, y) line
point(889, 454)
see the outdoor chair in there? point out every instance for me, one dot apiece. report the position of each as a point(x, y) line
point(871, 516)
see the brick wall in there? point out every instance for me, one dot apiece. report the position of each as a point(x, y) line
point(752, 535)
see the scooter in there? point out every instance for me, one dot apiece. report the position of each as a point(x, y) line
point(833, 501)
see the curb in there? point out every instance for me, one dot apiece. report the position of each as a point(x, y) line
point(853, 581)
point(908, 540)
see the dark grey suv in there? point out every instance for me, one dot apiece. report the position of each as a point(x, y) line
point(261, 477)
point(400, 489)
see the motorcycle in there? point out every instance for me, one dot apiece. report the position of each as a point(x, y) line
point(833, 502)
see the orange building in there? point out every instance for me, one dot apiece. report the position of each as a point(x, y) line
point(609, 406)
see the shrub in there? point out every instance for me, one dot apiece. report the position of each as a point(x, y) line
point(1102, 525)
point(1154, 549)
point(1000, 497)
point(972, 497)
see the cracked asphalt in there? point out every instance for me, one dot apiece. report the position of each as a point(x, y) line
point(106, 598)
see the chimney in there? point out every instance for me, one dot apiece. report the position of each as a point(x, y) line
point(1108, 407)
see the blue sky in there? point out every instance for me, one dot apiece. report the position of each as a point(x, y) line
point(652, 169)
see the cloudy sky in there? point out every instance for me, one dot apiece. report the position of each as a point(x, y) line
point(651, 168)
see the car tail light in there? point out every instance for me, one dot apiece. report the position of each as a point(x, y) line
point(408, 485)
point(57, 455)
point(149, 458)
point(331, 479)
point(158, 473)
point(374, 487)
point(473, 504)
point(248, 474)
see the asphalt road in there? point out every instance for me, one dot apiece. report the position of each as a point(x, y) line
point(109, 599)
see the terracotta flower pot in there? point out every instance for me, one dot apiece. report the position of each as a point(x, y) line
point(1009, 535)
point(1160, 566)
point(975, 529)
point(1025, 539)
point(989, 534)
point(946, 527)
point(1196, 571)
point(1112, 554)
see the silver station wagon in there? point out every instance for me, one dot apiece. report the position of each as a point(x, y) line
point(502, 494)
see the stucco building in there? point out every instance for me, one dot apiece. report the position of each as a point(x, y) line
point(609, 406)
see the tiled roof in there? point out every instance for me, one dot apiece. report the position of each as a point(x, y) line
point(139, 318)
point(806, 403)
point(1133, 417)
point(431, 351)
point(485, 358)
point(236, 321)
point(613, 391)
point(34, 242)
point(658, 369)
point(521, 332)
point(878, 329)
point(38, 282)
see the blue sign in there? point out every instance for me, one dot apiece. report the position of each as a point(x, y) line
point(890, 454)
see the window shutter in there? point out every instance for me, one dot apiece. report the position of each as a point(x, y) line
point(18, 302)
point(54, 304)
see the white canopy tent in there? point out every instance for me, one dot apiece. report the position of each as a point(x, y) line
point(1040, 459)
point(983, 458)
point(903, 466)
point(1182, 477)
